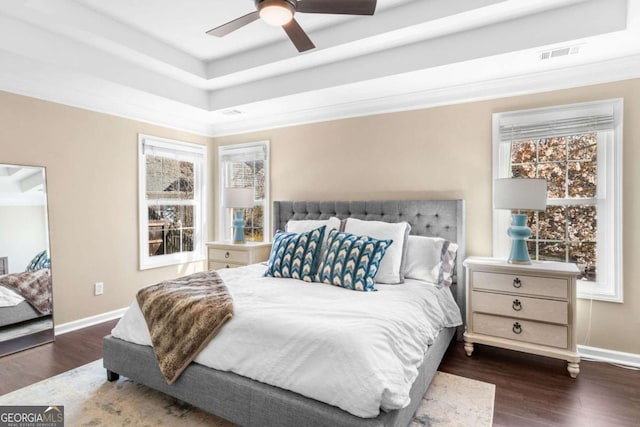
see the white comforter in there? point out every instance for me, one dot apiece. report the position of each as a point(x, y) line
point(359, 351)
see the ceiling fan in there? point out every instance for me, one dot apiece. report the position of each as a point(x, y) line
point(280, 13)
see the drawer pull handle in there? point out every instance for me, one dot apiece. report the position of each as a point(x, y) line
point(227, 254)
point(517, 283)
point(517, 328)
point(517, 305)
point(227, 266)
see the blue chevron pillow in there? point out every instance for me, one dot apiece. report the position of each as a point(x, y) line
point(351, 261)
point(40, 261)
point(295, 255)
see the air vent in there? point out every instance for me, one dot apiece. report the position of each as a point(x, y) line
point(561, 51)
point(232, 112)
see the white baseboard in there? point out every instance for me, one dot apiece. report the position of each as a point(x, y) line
point(609, 356)
point(63, 328)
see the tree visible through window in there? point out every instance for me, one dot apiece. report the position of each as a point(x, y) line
point(171, 201)
point(567, 230)
point(250, 174)
point(577, 149)
point(246, 166)
point(171, 225)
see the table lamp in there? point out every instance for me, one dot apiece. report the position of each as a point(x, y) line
point(239, 199)
point(520, 194)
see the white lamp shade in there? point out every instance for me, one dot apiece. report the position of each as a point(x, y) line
point(237, 198)
point(526, 194)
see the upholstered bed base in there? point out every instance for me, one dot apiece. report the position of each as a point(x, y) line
point(251, 403)
point(19, 313)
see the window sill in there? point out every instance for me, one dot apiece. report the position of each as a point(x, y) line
point(169, 260)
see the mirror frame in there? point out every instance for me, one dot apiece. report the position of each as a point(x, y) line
point(31, 340)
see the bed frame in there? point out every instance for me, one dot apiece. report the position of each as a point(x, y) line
point(251, 403)
point(19, 313)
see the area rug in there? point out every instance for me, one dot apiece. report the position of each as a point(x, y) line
point(89, 400)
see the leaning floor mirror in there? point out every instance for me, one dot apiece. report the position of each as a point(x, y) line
point(26, 302)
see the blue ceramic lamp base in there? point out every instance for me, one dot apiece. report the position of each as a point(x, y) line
point(238, 227)
point(519, 232)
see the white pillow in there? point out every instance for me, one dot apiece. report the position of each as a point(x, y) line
point(448, 264)
point(424, 258)
point(391, 269)
point(304, 225)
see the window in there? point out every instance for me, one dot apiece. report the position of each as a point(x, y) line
point(246, 166)
point(171, 192)
point(578, 150)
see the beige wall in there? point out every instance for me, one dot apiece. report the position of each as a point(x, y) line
point(22, 235)
point(92, 180)
point(446, 152)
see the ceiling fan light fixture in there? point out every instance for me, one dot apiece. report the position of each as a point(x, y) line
point(276, 12)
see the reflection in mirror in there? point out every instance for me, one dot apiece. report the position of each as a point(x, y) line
point(26, 303)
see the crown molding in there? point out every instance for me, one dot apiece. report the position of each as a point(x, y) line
point(563, 78)
point(162, 112)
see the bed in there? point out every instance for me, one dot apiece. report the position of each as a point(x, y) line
point(25, 312)
point(19, 313)
point(249, 402)
point(15, 308)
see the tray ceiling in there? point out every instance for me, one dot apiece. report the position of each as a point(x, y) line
point(151, 60)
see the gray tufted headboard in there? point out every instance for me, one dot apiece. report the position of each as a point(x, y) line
point(436, 218)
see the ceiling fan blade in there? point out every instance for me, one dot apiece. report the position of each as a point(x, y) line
point(341, 7)
point(297, 35)
point(231, 26)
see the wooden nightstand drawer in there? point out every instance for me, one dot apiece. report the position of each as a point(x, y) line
point(521, 307)
point(521, 330)
point(521, 284)
point(214, 265)
point(229, 256)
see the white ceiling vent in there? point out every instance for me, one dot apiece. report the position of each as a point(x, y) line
point(232, 112)
point(561, 51)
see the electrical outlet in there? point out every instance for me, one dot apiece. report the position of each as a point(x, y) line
point(98, 288)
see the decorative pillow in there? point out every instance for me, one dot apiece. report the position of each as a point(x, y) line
point(295, 255)
point(392, 266)
point(40, 261)
point(448, 264)
point(425, 257)
point(351, 261)
point(300, 226)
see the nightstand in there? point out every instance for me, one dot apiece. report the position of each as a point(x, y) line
point(229, 254)
point(529, 308)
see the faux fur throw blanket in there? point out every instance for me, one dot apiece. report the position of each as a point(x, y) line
point(34, 286)
point(183, 315)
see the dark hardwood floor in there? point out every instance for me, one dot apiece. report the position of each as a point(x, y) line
point(530, 390)
point(68, 351)
point(538, 391)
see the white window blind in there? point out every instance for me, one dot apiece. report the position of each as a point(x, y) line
point(524, 131)
point(243, 153)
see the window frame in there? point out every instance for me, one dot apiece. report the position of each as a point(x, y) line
point(199, 152)
point(225, 214)
point(609, 286)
